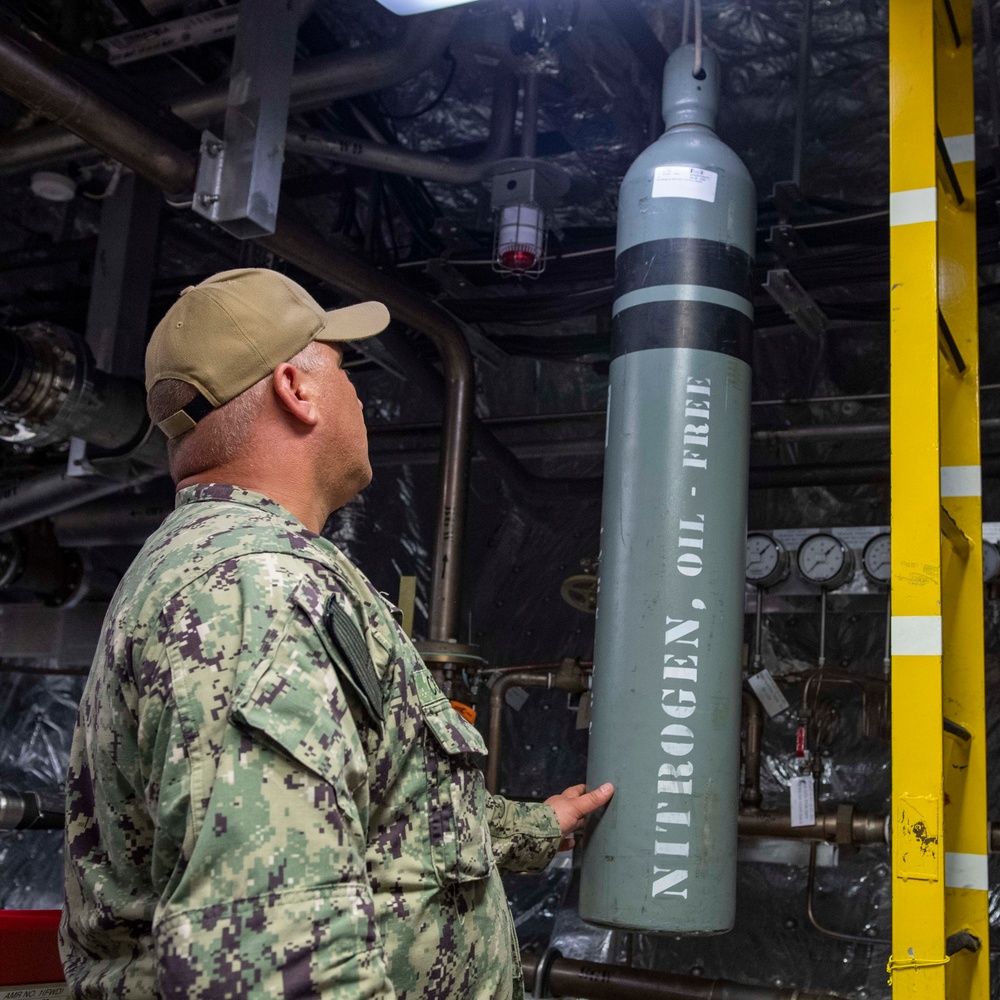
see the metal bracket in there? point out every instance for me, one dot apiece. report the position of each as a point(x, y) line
point(787, 243)
point(239, 180)
point(948, 346)
point(208, 185)
point(521, 181)
point(959, 540)
point(949, 167)
point(799, 305)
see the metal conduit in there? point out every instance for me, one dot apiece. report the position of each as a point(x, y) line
point(315, 83)
point(566, 977)
point(426, 166)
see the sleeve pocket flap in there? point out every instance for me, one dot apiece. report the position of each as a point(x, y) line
point(453, 733)
point(300, 711)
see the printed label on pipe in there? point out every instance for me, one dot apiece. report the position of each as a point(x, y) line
point(803, 803)
point(768, 693)
point(684, 182)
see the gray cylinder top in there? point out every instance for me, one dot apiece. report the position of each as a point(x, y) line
point(687, 99)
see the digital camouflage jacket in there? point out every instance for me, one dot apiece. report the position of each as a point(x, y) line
point(268, 794)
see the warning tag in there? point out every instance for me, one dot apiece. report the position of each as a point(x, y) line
point(803, 803)
point(684, 182)
point(768, 693)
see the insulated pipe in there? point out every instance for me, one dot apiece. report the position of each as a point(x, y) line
point(315, 83)
point(666, 710)
point(51, 93)
point(50, 390)
point(426, 166)
point(566, 977)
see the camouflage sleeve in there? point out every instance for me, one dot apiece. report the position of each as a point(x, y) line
point(261, 771)
point(525, 835)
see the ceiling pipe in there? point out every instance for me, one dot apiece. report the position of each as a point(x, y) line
point(51, 493)
point(425, 166)
point(315, 83)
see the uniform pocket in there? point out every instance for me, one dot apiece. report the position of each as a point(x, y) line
point(456, 791)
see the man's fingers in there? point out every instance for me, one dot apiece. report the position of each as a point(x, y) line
point(590, 801)
point(575, 791)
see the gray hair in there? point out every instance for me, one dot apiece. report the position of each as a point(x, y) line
point(224, 434)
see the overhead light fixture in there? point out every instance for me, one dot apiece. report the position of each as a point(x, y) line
point(520, 241)
point(407, 7)
point(523, 190)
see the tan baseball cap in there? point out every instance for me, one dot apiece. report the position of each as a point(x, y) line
point(235, 328)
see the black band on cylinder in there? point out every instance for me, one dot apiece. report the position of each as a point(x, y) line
point(684, 262)
point(703, 326)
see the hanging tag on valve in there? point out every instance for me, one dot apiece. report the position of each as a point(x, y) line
point(803, 800)
point(800, 742)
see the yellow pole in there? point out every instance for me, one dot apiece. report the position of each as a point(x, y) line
point(917, 964)
point(965, 809)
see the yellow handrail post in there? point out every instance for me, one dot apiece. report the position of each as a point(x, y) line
point(918, 938)
point(939, 818)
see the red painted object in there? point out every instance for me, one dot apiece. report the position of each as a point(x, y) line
point(30, 952)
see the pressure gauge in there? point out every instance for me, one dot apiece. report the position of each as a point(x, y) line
point(767, 561)
point(991, 561)
point(825, 561)
point(875, 560)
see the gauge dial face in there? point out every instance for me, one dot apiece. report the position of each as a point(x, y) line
point(991, 561)
point(825, 560)
point(876, 561)
point(767, 561)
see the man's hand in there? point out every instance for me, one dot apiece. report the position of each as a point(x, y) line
point(573, 805)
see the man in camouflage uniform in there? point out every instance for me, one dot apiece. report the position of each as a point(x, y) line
point(268, 794)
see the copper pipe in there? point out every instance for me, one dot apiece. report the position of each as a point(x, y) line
point(754, 713)
point(864, 829)
point(811, 914)
point(568, 977)
point(498, 694)
point(569, 676)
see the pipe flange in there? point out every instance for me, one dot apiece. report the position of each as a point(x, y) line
point(457, 653)
point(541, 989)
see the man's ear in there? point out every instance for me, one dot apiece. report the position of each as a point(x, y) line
point(293, 394)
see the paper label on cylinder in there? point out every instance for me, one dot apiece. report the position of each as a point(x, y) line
point(803, 802)
point(684, 182)
point(768, 693)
